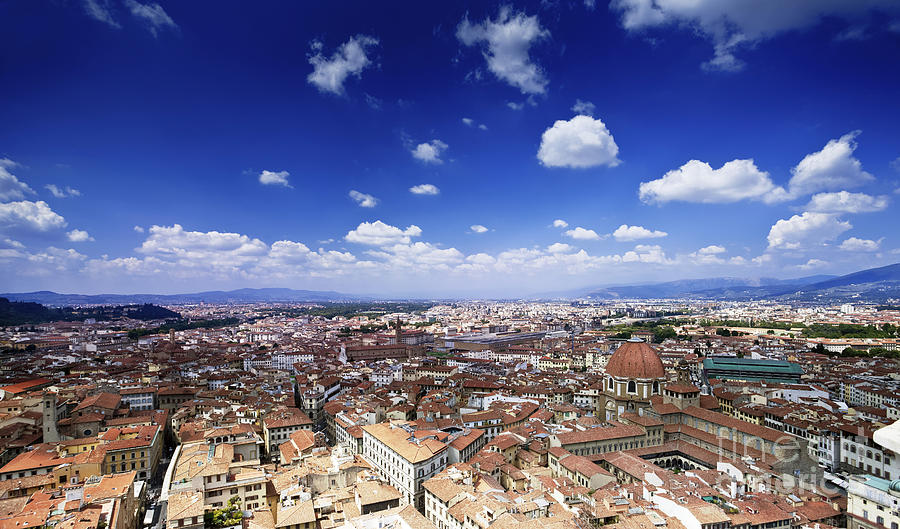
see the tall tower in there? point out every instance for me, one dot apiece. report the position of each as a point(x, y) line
point(398, 332)
point(48, 410)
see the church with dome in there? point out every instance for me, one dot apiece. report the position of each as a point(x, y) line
point(634, 374)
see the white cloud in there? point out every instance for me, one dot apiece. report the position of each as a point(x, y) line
point(10, 186)
point(7, 243)
point(697, 181)
point(429, 152)
point(274, 178)
point(515, 106)
point(813, 264)
point(99, 10)
point(731, 25)
point(419, 256)
point(646, 253)
point(79, 236)
point(560, 247)
point(582, 234)
point(151, 14)
point(560, 223)
point(478, 228)
point(634, 233)
point(62, 192)
point(584, 108)
point(138, 229)
point(712, 255)
point(469, 122)
point(33, 216)
point(845, 202)
point(363, 199)
point(860, 245)
point(380, 234)
point(805, 230)
point(222, 249)
point(712, 249)
point(580, 142)
point(506, 43)
point(351, 58)
point(424, 189)
point(833, 167)
point(895, 164)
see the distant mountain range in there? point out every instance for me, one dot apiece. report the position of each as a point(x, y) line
point(243, 295)
point(874, 284)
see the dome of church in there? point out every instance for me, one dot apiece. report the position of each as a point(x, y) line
point(635, 359)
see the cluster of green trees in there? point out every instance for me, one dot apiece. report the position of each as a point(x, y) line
point(134, 334)
point(726, 332)
point(25, 312)
point(350, 310)
point(226, 516)
point(755, 324)
point(848, 330)
point(850, 352)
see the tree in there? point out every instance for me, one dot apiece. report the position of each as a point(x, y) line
point(663, 333)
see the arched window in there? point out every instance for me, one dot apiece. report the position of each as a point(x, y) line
point(632, 387)
point(610, 385)
point(656, 388)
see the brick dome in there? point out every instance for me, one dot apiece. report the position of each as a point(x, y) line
point(635, 359)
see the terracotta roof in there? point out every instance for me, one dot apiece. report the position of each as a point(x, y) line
point(635, 359)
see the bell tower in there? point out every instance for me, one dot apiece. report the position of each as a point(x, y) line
point(48, 410)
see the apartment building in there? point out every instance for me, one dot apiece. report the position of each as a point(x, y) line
point(405, 457)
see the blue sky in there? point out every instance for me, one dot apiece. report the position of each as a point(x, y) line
point(443, 149)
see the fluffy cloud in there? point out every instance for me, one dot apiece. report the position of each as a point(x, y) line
point(350, 58)
point(469, 122)
point(274, 178)
point(478, 228)
point(10, 186)
point(860, 245)
point(138, 229)
point(646, 253)
point(846, 202)
point(712, 255)
point(79, 236)
point(585, 108)
point(805, 230)
point(580, 142)
point(429, 152)
point(697, 181)
point(812, 264)
point(560, 223)
point(31, 216)
point(363, 199)
point(99, 10)
point(380, 234)
point(833, 167)
point(634, 233)
point(560, 247)
point(731, 25)
point(582, 234)
point(419, 256)
point(192, 248)
point(424, 189)
point(152, 15)
point(505, 45)
point(62, 192)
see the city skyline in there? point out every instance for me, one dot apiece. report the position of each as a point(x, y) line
point(499, 148)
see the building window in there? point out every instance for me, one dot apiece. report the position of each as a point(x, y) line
point(632, 387)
